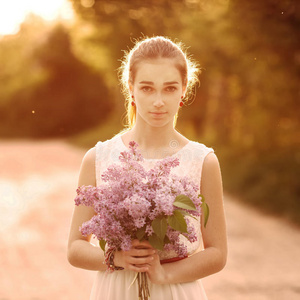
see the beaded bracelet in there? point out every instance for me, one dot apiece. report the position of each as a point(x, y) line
point(109, 260)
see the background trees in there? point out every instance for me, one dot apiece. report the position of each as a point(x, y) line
point(46, 91)
point(247, 107)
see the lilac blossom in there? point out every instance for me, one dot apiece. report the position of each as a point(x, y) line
point(130, 198)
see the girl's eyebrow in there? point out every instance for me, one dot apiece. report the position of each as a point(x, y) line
point(171, 82)
point(146, 82)
point(165, 83)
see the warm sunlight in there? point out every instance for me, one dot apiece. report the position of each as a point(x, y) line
point(14, 12)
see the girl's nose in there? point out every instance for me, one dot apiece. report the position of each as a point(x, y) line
point(158, 101)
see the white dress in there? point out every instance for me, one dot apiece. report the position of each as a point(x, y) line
point(116, 285)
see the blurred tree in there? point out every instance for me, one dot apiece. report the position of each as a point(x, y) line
point(271, 50)
point(248, 103)
point(117, 23)
point(70, 98)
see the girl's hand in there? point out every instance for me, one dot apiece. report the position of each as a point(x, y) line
point(156, 272)
point(137, 259)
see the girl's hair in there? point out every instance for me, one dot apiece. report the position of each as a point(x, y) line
point(155, 48)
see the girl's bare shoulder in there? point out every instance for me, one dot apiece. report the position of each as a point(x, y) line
point(87, 170)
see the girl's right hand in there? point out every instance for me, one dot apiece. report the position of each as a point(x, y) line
point(137, 259)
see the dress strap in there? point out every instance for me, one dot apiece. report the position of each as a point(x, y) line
point(99, 149)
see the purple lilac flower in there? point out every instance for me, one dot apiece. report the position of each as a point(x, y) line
point(137, 207)
point(191, 233)
point(131, 197)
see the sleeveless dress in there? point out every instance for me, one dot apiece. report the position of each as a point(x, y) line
point(116, 285)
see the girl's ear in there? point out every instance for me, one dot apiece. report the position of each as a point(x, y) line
point(130, 87)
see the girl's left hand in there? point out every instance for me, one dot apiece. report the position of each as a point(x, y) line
point(156, 271)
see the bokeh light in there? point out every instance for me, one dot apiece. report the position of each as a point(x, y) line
point(14, 12)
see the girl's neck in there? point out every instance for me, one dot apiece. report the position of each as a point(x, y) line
point(155, 142)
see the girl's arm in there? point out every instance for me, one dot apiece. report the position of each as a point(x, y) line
point(213, 258)
point(81, 253)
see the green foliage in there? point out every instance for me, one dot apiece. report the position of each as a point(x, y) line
point(140, 233)
point(247, 106)
point(205, 210)
point(268, 181)
point(156, 242)
point(183, 201)
point(160, 226)
point(177, 221)
point(59, 97)
point(102, 244)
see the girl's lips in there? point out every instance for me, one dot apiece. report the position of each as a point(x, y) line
point(157, 113)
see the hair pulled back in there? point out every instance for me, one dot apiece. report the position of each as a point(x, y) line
point(155, 48)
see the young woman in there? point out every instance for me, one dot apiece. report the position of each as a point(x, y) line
point(157, 77)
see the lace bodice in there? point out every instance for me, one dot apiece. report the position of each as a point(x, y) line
point(191, 158)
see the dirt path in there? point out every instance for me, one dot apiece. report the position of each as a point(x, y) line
point(37, 187)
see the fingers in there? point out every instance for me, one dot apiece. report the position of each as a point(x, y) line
point(136, 252)
point(141, 249)
point(149, 262)
point(139, 264)
point(144, 260)
point(139, 258)
point(141, 245)
point(134, 258)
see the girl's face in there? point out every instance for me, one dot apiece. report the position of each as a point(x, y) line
point(157, 91)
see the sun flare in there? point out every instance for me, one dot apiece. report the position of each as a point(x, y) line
point(14, 12)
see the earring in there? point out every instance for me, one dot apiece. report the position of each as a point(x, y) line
point(181, 104)
point(132, 96)
point(132, 103)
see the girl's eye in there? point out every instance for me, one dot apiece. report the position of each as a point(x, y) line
point(171, 89)
point(146, 88)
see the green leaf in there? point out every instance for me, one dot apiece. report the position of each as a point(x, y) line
point(102, 244)
point(177, 221)
point(187, 214)
point(205, 211)
point(140, 233)
point(156, 242)
point(184, 202)
point(159, 226)
point(166, 240)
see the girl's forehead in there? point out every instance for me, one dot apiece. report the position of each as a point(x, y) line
point(155, 69)
point(158, 61)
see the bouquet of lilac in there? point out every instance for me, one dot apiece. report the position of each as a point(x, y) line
point(133, 203)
